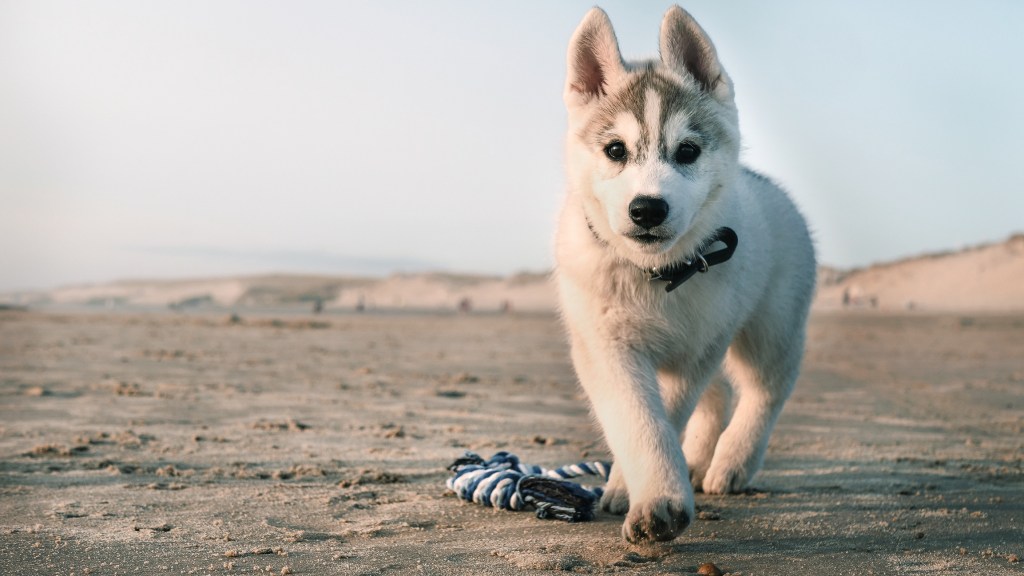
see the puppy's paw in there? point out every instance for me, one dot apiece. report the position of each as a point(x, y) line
point(697, 475)
point(725, 479)
point(616, 497)
point(615, 502)
point(699, 451)
point(698, 456)
point(658, 520)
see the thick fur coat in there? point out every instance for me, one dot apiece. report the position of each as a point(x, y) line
point(653, 170)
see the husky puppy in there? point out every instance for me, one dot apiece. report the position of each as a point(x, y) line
point(654, 187)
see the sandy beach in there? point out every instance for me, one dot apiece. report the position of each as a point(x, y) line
point(268, 269)
point(172, 443)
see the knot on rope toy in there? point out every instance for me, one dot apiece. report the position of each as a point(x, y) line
point(504, 483)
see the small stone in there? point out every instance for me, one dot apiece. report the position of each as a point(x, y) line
point(709, 569)
point(449, 393)
point(286, 570)
point(1013, 558)
point(49, 450)
point(128, 389)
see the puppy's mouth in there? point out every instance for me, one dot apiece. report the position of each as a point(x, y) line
point(648, 238)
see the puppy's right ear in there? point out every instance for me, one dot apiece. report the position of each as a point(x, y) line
point(594, 61)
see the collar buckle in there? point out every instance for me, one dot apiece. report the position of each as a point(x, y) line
point(703, 264)
point(676, 274)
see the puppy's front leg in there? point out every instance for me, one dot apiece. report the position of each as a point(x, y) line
point(623, 389)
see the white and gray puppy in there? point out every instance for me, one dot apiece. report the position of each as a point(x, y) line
point(653, 173)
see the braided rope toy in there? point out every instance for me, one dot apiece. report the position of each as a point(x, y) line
point(504, 483)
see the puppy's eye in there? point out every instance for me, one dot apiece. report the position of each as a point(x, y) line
point(616, 151)
point(687, 153)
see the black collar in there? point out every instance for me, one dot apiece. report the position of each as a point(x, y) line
point(676, 274)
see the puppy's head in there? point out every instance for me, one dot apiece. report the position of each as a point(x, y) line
point(652, 144)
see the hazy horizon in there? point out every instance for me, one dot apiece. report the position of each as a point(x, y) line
point(192, 139)
point(337, 266)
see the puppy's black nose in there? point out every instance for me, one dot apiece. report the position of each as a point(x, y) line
point(648, 211)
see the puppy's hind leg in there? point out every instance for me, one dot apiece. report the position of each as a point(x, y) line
point(763, 371)
point(704, 428)
point(697, 400)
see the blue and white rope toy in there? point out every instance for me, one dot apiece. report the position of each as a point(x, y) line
point(504, 483)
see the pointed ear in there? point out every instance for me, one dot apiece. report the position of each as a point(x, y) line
point(686, 48)
point(594, 61)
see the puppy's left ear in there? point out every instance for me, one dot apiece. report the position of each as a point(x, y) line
point(686, 48)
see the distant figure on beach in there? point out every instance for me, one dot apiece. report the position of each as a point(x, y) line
point(318, 306)
point(361, 304)
point(506, 306)
point(465, 305)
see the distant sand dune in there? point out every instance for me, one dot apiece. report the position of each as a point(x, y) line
point(151, 293)
point(430, 291)
point(524, 292)
point(982, 278)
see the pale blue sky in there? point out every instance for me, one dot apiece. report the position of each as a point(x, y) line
point(175, 139)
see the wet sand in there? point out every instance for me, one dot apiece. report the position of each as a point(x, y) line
point(193, 444)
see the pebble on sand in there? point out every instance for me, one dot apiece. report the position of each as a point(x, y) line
point(709, 569)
